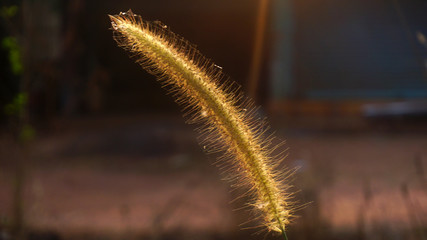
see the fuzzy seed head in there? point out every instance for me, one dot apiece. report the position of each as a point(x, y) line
point(228, 122)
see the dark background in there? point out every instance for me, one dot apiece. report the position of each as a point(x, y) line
point(91, 147)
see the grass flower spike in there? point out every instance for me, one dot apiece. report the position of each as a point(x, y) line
point(228, 121)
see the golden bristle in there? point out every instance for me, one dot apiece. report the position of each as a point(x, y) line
point(229, 123)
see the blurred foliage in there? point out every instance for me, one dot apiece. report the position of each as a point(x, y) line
point(11, 45)
point(11, 67)
point(8, 11)
point(16, 110)
point(17, 106)
point(27, 133)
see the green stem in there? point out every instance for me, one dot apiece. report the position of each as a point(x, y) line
point(284, 235)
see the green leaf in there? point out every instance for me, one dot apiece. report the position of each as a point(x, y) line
point(11, 44)
point(8, 11)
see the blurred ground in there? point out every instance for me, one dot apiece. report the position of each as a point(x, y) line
point(140, 177)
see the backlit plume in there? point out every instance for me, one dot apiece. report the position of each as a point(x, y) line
point(228, 121)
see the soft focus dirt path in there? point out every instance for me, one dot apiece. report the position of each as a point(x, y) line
point(150, 176)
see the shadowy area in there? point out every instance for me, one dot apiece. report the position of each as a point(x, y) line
point(101, 177)
point(91, 147)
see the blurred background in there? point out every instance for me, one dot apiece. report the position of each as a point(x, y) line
point(91, 147)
